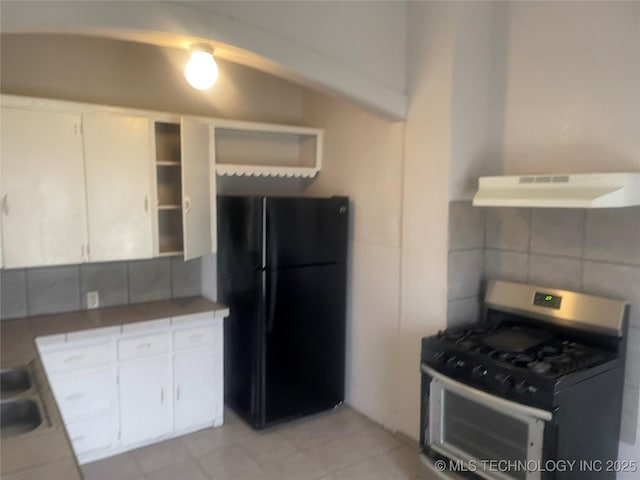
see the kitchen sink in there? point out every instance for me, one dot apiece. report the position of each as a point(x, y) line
point(14, 381)
point(19, 416)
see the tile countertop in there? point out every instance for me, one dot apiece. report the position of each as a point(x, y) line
point(46, 453)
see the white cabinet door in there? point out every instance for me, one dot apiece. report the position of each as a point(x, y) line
point(145, 412)
point(196, 193)
point(118, 171)
point(43, 191)
point(197, 396)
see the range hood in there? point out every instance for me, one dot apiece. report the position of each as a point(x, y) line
point(593, 190)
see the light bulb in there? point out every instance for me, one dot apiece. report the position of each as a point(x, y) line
point(201, 70)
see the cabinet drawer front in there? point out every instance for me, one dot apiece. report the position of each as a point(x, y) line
point(195, 337)
point(76, 358)
point(93, 434)
point(80, 394)
point(143, 346)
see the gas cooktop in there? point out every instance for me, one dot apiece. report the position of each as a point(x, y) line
point(522, 347)
point(532, 343)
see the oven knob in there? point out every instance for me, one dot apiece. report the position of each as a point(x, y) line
point(440, 357)
point(455, 362)
point(505, 382)
point(521, 387)
point(478, 371)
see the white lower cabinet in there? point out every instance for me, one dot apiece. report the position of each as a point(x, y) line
point(196, 401)
point(91, 436)
point(143, 392)
point(151, 382)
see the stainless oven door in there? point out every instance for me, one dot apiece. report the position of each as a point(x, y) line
point(484, 431)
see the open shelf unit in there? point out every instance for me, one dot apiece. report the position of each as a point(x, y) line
point(261, 149)
point(169, 187)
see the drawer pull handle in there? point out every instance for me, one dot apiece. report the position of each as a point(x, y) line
point(74, 396)
point(77, 439)
point(162, 395)
point(196, 337)
point(144, 345)
point(178, 393)
point(73, 359)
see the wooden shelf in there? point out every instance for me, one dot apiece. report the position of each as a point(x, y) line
point(171, 254)
point(265, 171)
point(266, 150)
point(169, 189)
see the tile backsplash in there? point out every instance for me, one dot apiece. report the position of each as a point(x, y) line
point(593, 251)
point(465, 262)
point(37, 291)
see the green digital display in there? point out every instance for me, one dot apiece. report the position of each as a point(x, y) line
point(543, 299)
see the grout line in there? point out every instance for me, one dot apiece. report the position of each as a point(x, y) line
point(26, 292)
point(507, 250)
point(470, 249)
point(475, 297)
point(583, 248)
point(530, 231)
point(171, 293)
point(126, 279)
point(128, 283)
point(80, 304)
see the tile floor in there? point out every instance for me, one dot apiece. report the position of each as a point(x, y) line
point(340, 445)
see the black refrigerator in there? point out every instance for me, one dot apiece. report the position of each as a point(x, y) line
point(282, 272)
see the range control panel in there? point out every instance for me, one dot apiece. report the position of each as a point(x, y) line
point(547, 300)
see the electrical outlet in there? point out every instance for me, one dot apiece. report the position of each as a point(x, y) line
point(93, 300)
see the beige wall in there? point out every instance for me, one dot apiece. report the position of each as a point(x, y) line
point(127, 74)
point(363, 159)
point(355, 48)
point(427, 145)
point(573, 87)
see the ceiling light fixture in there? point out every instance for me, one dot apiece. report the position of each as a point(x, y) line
point(201, 70)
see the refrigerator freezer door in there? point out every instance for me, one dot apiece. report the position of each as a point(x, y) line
point(304, 360)
point(306, 231)
point(241, 244)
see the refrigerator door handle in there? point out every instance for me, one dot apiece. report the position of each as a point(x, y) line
point(272, 242)
point(273, 288)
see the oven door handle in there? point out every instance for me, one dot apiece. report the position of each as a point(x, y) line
point(487, 399)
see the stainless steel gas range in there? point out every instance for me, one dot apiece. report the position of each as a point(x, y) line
point(534, 391)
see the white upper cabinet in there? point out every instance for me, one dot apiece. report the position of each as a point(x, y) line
point(186, 188)
point(118, 166)
point(88, 183)
point(197, 214)
point(43, 189)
